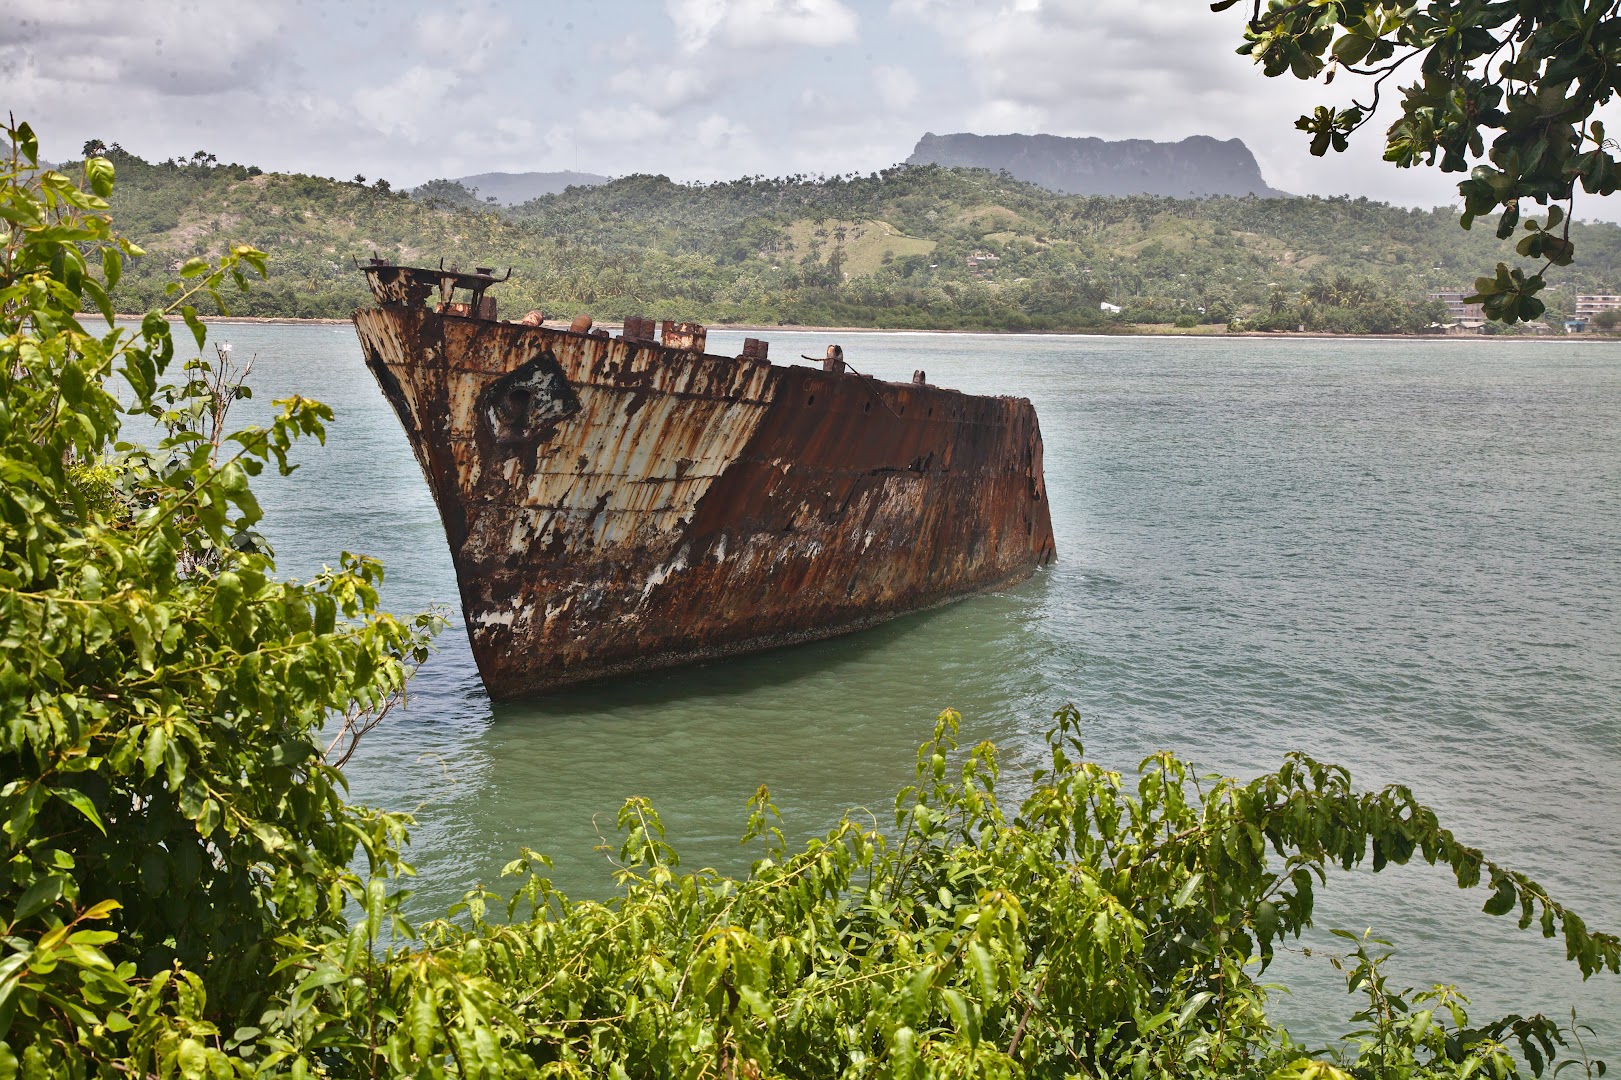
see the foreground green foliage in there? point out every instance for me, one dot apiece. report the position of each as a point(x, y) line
point(189, 894)
point(1109, 927)
point(1528, 74)
point(166, 814)
point(920, 247)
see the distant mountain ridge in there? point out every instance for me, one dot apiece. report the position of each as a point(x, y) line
point(1196, 167)
point(514, 189)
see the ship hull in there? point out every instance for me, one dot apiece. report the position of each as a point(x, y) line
point(615, 506)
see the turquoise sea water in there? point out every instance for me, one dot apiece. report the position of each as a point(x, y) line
point(1404, 557)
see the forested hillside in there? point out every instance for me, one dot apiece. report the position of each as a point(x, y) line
point(918, 246)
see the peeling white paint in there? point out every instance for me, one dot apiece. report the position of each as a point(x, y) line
point(663, 573)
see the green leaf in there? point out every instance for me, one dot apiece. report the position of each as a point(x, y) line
point(1191, 1007)
point(984, 970)
point(208, 818)
point(100, 910)
point(964, 1014)
point(99, 171)
point(37, 897)
point(154, 873)
point(112, 266)
point(80, 802)
point(99, 297)
point(1265, 922)
point(153, 752)
point(227, 595)
point(26, 143)
point(1503, 900)
point(198, 330)
point(1352, 48)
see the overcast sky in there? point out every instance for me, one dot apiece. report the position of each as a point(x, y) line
point(695, 89)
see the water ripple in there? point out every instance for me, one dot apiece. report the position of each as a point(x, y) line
point(1402, 556)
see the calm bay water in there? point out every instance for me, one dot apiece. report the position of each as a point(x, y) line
point(1404, 557)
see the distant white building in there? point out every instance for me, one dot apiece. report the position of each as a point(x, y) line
point(1113, 309)
point(1590, 305)
point(1457, 309)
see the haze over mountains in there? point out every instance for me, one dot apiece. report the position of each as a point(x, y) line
point(514, 189)
point(1196, 167)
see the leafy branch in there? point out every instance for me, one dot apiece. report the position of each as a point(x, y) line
point(1529, 75)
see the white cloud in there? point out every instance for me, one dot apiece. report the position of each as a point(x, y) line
point(762, 23)
point(696, 21)
point(661, 87)
point(716, 132)
point(418, 94)
point(515, 129)
point(897, 87)
point(1121, 66)
point(464, 40)
point(175, 49)
point(726, 87)
point(450, 50)
point(619, 124)
point(1000, 116)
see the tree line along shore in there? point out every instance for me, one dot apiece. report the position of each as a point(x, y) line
point(913, 247)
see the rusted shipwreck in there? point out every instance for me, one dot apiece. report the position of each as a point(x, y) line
point(615, 504)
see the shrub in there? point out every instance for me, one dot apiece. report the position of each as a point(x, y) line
point(181, 855)
point(170, 825)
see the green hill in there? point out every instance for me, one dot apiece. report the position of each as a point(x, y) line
point(919, 246)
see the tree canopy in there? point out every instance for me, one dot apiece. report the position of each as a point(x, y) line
point(1527, 75)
